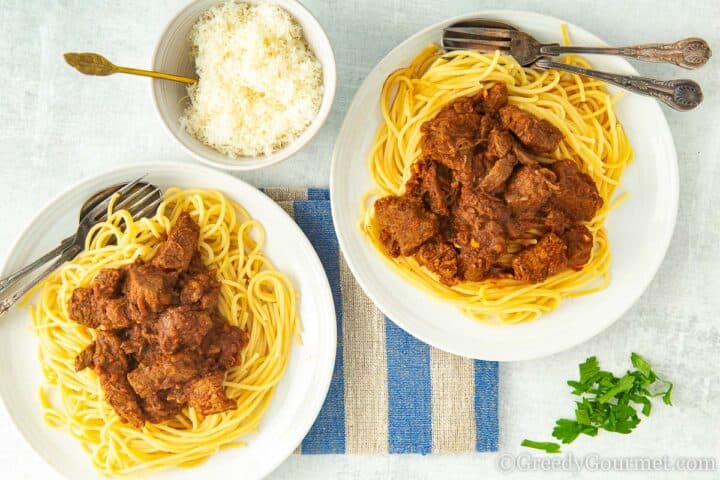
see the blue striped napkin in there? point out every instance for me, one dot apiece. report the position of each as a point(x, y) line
point(390, 393)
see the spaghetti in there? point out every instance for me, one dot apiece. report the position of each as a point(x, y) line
point(580, 107)
point(253, 296)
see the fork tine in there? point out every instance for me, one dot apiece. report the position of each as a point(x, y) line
point(139, 203)
point(132, 196)
point(480, 31)
point(122, 202)
point(452, 49)
point(101, 207)
point(479, 47)
point(478, 43)
point(145, 207)
point(127, 187)
point(148, 209)
point(449, 47)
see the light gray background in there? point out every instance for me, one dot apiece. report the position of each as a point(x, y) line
point(57, 127)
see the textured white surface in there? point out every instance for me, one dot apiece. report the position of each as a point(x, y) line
point(57, 127)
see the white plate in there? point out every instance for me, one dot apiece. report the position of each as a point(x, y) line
point(639, 229)
point(299, 395)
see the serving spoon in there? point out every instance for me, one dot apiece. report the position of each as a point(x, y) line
point(96, 64)
point(139, 198)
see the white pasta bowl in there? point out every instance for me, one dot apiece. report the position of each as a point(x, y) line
point(173, 54)
point(639, 229)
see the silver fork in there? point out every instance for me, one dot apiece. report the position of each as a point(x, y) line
point(690, 53)
point(682, 94)
point(140, 199)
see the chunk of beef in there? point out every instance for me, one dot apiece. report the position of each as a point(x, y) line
point(112, 313)
point(426, 183)
point(108, 282)
point(121, 397)
point(546, 258)
point(579, 243)
point(95, 307)
point(495, 97)
point(469, 166)
point(111, 365)
point(495, 179)
point(488, 123)
point(577, 195)
point(200, 289)
point(480, 246)
point(158, 408)
point(538, 135)
point(176, 252)
point(196, 264)
point(441, 258)
point(93, 311)
point(500, 143)
point(182, 327)
point(467, 174)
point(222, 345)
point(476, 207)
point(108, 355)
point(523, 156)
point(451, 137)
point(490, 239)
point(472, 265)
point(528, 190)
point(81, 307)
point(524, 227)
point(206, 394)
point(135, 340)
point(84, 359)
point(148, 289)
point(405, 223)
point(500, 158)
point(555, 221)
point(158, 371)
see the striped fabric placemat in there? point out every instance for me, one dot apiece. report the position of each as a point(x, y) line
point(390, 393)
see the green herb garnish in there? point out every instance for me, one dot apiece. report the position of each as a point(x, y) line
point(607, 402)
point(549, 447)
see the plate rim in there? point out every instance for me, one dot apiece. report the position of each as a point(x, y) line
point(406, 325)
point(325, 294)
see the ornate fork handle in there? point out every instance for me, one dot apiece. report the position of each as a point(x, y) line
point(14, 277)
point(679, 94)
point(689, 53)
point(8, 299)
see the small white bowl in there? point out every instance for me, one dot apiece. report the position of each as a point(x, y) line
point(173, 55)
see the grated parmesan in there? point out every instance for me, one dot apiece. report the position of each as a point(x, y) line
point(260, 84)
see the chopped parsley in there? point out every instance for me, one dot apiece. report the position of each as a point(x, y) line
point(607, 402)
point(549, 447)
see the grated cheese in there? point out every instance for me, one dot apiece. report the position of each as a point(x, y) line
point(260, 84)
